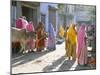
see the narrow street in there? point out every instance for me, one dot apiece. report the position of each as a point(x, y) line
point(46, 61)
point(32, 23)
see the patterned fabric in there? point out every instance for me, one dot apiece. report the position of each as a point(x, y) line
point(40, 37)
point(82, 49)
point(21, 23)
point(61, 31)
point(30, 27)
point(71, 42)
point(51, 38)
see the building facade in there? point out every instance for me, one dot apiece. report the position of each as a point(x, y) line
point(49, 14)
point(28, 9)
point(35, 12)
point(83, 14)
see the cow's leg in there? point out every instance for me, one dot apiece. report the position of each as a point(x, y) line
point(25, 47)
point(22, 48)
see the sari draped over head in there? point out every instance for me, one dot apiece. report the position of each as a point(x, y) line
point(31, 40)
point(30, 27)
point(51, 38)
point(51, 31)
point(81, 49)
point(61, 31)
point(72, 35)
point(21, 23)
point(71, 41)
point(40, 37)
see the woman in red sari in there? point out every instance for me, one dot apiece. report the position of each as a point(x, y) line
point(40, 37)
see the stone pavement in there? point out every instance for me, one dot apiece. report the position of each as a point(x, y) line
point(46, 61)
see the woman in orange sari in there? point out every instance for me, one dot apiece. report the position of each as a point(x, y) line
point(71, 42)
point(40, 37)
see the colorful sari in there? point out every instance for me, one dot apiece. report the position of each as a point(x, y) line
point(71, 41)
point(30, 27)
point(21, 23)
point(61, 31)
point(40, 37)
point(81, 48)
point(31, 40)
point(51, 38)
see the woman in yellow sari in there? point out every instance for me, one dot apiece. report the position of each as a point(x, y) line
point(61, 32)
point(71, 42)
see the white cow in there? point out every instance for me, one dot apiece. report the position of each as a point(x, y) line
point(22, 36)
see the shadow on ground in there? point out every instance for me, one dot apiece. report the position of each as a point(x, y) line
point(86, 67)
point(90, 66)
point(19, 59)
point(64, 65)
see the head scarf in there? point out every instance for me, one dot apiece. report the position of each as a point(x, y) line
point(61, 31)
point(30, 27)
point(51, 30)
point(71, 34)
point(81, 36)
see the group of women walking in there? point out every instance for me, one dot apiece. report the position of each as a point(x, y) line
point(75, 40)
point(75, 44)
point(39, 42)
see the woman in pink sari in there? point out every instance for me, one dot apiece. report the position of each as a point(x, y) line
point(21, 22)
point(30, 41)
point(82, 47)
